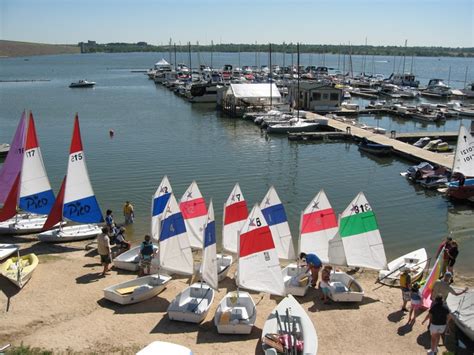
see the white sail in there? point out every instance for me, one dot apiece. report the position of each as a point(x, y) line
point(158, 204)
point(209, 258)
point(259, 267)
point(235, 214)
point(275, 216)
point(175, 250)
point(193, 208)
point(318, 226)
point(464, 157)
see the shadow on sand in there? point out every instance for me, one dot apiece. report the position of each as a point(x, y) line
point(9, 290)
point(207, 333)
point(154, 305)
point(89, 278)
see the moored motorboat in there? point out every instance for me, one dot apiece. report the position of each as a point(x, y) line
point(136, 290)
point(289, 328)
point(19, 269)
point(375, 148)
point(414, 261)
point(294, 126)
point(82, 84)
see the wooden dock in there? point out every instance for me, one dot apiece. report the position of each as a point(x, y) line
point(405, 150)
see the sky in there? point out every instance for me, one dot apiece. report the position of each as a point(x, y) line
point(447, 23)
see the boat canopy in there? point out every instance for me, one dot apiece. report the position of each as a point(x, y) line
point(246, 91)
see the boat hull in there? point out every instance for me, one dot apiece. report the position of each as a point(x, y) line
point(415, 261)
point(28, 264)
point(344, 288)
point(21, 226)
point(236, 314)
point(70, 233)
point(465, 192)
point(129, 260)
point(7, 249)
point(296, 279)
point(461, 311)
point(192, 304)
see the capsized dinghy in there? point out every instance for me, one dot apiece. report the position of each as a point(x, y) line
point(19, 270)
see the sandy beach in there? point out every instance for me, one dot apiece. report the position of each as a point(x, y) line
point(62, 309)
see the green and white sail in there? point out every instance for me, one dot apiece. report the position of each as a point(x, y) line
point(359, 238)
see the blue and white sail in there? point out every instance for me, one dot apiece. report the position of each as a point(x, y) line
point(275, 215)
point(209, 257)
point(175, 250)
point(158, 204)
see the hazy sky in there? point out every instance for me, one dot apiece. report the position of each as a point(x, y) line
point(382, 22)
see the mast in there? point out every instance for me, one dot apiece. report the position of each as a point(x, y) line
point(270, 74)
point(404, 56)
point(175, 57)
point(190, 63)
point(169, 49)
point(212, 51)
point(298, 95)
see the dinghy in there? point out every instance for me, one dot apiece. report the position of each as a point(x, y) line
point(193, 208)
point(258, 269)
point(76, 200)
point(462, 310)
point(163, 347)
point(7, 249)
point(223, 265)
point(414, 261)
point(193, 303)
point(128, 260)
point(289, 330)
point(19, 269)
point(358, 243)
point(31, 191)
point(137, 290)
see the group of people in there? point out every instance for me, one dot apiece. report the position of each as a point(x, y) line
point(314, 265)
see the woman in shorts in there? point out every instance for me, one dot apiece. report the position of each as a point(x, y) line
point(438, 316)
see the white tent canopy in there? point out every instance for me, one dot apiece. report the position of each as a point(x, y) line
point(254, 91)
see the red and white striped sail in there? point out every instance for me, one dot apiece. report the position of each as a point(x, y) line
point(259, 267)
point(193, 208)
point(318, 226)
point(175, 250)
point(235, 214)
point(275, 215)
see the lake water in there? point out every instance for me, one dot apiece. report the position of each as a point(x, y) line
point(158, 133)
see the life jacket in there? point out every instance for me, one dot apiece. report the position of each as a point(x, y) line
point(147, 249)
point(405, 280)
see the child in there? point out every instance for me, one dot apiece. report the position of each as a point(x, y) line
point(324, 283)
point(415, 302)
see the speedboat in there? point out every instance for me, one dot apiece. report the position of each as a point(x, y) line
point(294, 125)
point(82, 84)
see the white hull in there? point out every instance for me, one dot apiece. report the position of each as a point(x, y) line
point(344, 288)
point(7, 250)
point(128, 260)
point(235, 315)
point(23, 225)
point(223, 265)
point(297, 281)
point(192, 304)
point(416, 261)
point(305, 330)
point(163, 347)
point(70, 233)
point(137, 290)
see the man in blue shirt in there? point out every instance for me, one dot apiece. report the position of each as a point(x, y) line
point(314, 265)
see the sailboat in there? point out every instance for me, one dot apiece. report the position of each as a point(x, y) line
point(358, 243)
point(192, 304)
point(275, 216)
point(234, 217)
point(193, 208)
point(75, 201)
point(258, 270)
point(318, 225)
point(463, 189)
point(129, 260)
point(31, 191)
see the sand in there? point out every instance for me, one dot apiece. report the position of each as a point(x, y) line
point(62, 309)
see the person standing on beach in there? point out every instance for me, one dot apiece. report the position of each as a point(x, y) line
point(443, 288)
point(147, 251)
point(110, 223)
point(314, 265)
point(128, 212)
point(438, 316)
point(104, 250)
point(452, 254)
point(405, 286)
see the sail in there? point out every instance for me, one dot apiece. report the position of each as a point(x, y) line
point(80, 203)
point(9, 208)
point(12, 165)
point(360, 235)
point(56, 214)
point(318, 226)
point(36, 195)
point(158, 204)
point(235, 214)
point(464, 157)
point(275, 215)
point(209, 258)
point(193, 208)
point(175, 250)
point(430, 281)
point(259, 267)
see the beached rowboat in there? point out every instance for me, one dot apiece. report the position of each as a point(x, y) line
point(415, 261)
point(192, 304)
point(344, 288)
point(236, 313)
point(19, 270)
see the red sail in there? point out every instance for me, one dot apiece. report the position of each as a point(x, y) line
point(9, 208)
point(56, 214)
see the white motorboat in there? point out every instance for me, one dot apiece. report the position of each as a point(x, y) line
point(236, 313)
point(294, 125)
point(462, 310)
point(7, 249)
point(297, 279)
point(82, 84)
point(344, 288)
point(192, 304)
point(137, 290)
point(70, 233)
point(414, 261)
point(293, 328)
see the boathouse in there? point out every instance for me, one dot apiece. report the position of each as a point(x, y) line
point(315, 96)
point(242, 98)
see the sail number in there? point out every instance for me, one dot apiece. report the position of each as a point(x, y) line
point(362, 208)
point(30, 153)
point(238, 197)
point(76, 157)
point(258, 222)
point(467, 154)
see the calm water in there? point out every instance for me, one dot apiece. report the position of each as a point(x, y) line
point(158, 133)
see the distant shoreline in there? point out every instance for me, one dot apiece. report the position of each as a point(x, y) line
point(10, 49)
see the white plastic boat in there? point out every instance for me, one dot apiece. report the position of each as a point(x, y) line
point(128, 260)
point(414, 261)
point(82, 84)
point(236, 314)
point(163, 347)
point(344, 288)
point(15, 226)
point(462, 310)
point(7, 250)
point(223, 265)
point(296, 279)
point(192, 304)
point(70, 233)
point(137, 290)
point(300, 329)
point(19, 270)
